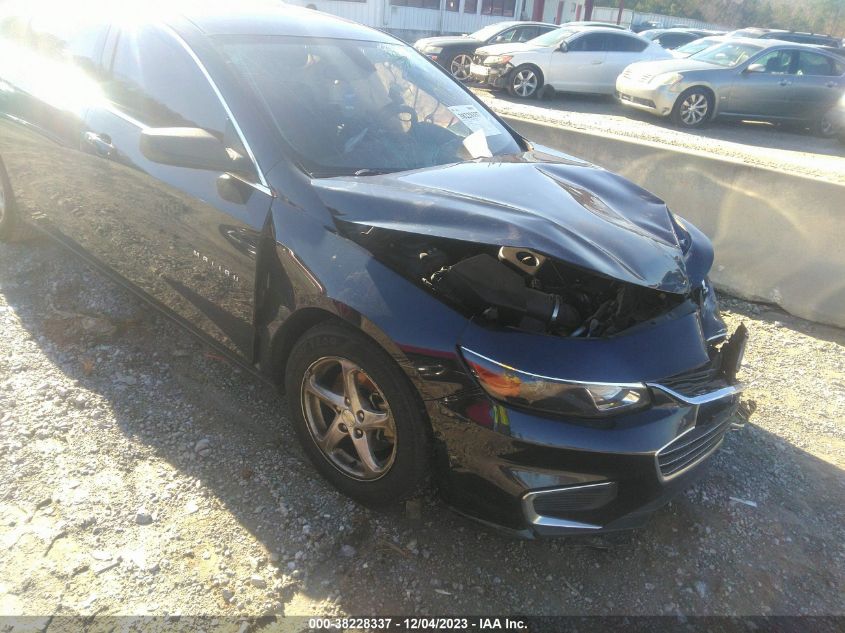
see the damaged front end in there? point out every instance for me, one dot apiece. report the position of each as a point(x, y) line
point(596, 370)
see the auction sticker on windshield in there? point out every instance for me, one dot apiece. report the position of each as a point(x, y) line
point(473, 118)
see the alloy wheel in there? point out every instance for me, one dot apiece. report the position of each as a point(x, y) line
point(694, 109)
point(826, 127)
point(460, 66)
point(348, 418)
point(525, 82)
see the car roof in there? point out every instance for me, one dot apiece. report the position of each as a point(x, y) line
point(214, 17)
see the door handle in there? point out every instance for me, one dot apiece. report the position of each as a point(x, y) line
point(100, 142)
point(831, 84)
point(784, 82)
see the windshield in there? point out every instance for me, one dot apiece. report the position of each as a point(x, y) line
point(489, 31)
point(553, 38)
point(696, 46)
point(348, 107)
point(728, 55)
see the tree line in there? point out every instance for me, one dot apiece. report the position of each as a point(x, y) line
point(817, 16)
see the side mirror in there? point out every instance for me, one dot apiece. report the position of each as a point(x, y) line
point(189, 147)
point(564, 47)
point(756, 68)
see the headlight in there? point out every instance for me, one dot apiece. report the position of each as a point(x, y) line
point(497, 60)
point(553, 395)
point(668, 79)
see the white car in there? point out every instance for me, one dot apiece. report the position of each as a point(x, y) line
point(569, 59)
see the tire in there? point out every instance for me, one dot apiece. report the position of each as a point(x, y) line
point(825, 127)
point(525, 82)
point(693, 108)
point(327, 360)
point(458, 65)
point(12, 228)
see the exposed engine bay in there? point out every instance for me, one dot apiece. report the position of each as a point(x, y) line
point(517, 287)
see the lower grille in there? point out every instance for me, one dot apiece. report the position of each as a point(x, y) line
point(690, 448)
point(563, 502)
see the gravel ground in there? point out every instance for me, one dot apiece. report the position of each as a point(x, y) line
point(777, 147)
point(140, 473)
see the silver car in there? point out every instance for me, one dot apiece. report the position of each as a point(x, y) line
point(747, 79)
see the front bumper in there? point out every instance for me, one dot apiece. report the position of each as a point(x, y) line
point(659, 100)
point(539, 476)
point(493, 76)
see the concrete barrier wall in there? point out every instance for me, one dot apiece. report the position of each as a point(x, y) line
point(779, 237)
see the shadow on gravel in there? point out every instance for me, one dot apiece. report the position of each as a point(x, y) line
point(760, 534)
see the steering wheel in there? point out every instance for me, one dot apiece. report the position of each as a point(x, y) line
point(396, 109)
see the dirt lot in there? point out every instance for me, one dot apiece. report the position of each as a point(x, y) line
point(779, 147)
point(142, 474)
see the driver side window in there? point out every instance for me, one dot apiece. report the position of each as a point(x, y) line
point(589, 43)
point(777, 62)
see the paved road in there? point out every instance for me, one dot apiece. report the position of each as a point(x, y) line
point(777, 147)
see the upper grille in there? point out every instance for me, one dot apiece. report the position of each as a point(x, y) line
point(704, 379)
point(691, 448)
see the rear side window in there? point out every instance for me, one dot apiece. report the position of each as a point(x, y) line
point(818, 65)
point(625, 44)
point(155, 80)
point(69, 37)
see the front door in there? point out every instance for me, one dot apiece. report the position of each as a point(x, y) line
point(768, 93)
point(579, 67)
point(187, 237)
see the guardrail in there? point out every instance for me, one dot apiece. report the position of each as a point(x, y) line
point(779, 237)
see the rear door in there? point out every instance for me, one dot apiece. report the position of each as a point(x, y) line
point(48, 79)
point(187, 237)
point(577, 69)
point(819, 83)
point(622, 50)
point(767, 94)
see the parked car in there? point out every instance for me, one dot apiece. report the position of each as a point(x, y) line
point(454, 52)
point(696, 46)
point(750, 79)
point(789, 36)
point(673, 38)
point(434, 293)
point(570, 59)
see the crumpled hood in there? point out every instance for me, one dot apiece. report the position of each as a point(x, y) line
point(575, 212)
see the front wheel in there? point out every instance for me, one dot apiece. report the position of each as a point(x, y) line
point(356, 415)
point(693, 109)
point(524, 82)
